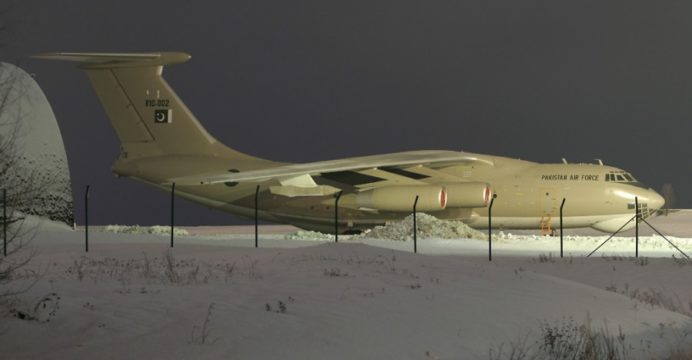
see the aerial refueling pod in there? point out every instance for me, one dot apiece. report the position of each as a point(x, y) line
point(401, 198)
point(468, 195)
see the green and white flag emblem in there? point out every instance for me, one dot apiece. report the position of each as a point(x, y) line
point(163, 116)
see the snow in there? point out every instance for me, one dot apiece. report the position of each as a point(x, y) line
point(136, 229)
point(360, 298)
point(427, 226)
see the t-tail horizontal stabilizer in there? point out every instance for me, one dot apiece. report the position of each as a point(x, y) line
point(113, 60)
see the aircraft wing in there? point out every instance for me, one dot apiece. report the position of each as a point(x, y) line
point(301, 174)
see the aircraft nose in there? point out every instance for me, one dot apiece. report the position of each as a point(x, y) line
point(656, 201)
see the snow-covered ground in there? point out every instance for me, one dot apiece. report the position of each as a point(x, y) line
point(216, 296)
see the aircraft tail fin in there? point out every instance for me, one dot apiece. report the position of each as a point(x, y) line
point(148, 117)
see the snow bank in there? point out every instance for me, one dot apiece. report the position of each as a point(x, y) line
point(136, 229)
point(428, 227)
point(308, 235)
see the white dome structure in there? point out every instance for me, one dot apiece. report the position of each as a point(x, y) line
point(27, 120)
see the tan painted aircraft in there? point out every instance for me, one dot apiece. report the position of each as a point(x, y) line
point(163, 143)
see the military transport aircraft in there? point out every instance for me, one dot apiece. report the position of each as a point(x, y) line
point(163, 143)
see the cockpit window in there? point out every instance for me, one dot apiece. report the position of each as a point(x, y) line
point(621, 177)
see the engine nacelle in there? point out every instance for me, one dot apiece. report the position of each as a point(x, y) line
point(401, 198)
point(468, 195)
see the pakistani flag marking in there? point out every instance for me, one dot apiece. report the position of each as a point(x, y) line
point(163, 116)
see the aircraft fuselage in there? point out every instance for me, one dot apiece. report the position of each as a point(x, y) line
point(528, 195)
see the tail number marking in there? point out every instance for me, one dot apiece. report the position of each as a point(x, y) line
point(156, 102)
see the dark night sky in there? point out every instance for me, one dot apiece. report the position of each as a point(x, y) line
point(314, 80)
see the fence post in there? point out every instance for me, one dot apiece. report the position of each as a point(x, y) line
point(86, 219)
point(490, 226)
point(4, 222)
point(415, 227)
point(172, 212)
point(336, 216)
point(636, 227)
point(561, 206)
point(256, 216)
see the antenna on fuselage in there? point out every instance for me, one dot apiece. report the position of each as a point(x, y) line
point(600, 162)
point(564, 161)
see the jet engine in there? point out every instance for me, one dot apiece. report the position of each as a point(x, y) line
point(401, 198)
point(468, 195)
